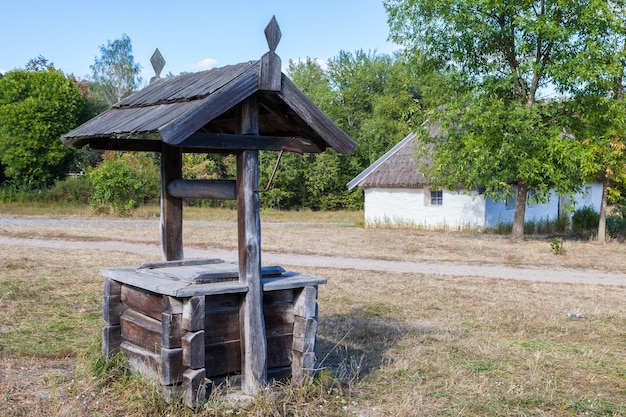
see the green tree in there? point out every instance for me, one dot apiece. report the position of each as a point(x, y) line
point(599, 107)
point(508, 51)
point(115, 73)
point(36, 109)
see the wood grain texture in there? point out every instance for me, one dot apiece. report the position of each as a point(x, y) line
point(141, 330)
point(222, 358)
point(171, 330)
point(111, 340)
point(193, 349)
point(211, 189)
point(171, 207)
point(252, 325)
point(193, 313)
point(172, 367)
point(142, 301)
point(306, 302)
point(194, 387)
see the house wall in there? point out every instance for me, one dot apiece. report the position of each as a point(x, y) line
point(411, 207)
point(498, 212)
point(405, 206)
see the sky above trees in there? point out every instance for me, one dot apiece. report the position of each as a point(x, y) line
point(69, 34)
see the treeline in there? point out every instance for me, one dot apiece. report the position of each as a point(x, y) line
point(519, 98)
point(377, 99)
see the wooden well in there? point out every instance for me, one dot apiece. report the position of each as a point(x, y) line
point(183, 321)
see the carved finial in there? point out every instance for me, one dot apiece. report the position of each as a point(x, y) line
point(158, 62)
point(270, 66)
point(272, 34)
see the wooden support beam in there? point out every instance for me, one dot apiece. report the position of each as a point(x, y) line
point(214, 189)
point(171, 207)
point(253, 342)
point(206, 141)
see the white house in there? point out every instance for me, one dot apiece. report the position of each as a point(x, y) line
point(396, 193)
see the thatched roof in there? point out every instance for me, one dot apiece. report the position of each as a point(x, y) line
point(395, 169)
point(199, 111)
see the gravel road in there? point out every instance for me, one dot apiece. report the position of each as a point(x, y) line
point(556, 275)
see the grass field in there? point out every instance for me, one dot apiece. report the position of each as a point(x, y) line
point(389, 344)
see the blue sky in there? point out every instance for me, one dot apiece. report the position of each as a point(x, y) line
point(192, 35)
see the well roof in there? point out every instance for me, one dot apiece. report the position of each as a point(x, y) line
point(198, 111)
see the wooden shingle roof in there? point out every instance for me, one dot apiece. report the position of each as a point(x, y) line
point(395, 169)
point(198, 111)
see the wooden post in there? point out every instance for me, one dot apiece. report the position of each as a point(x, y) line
point(252, 323)
point(171, 207)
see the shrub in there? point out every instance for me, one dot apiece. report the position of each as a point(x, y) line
point(121, 184)
point(616, 227)
point(71, 190)
point(585, 221)
point(557, 246)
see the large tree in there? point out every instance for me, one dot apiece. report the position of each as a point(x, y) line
point(115, 73)
point(508, 51)
point(599, 107)
point(36, 109)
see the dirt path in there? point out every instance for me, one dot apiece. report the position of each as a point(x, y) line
point(557, 275)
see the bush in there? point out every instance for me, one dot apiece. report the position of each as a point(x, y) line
point(616, 228)
point(121, 184)
point(585, 221)
point(71, 190)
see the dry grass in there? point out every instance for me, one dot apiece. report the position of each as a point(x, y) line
point(390, 344)
point(334, 234)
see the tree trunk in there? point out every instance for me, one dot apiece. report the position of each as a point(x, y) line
point(603, 204)
point(520, 211)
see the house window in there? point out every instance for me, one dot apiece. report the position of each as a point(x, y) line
point(511, 201)
point(436, 197)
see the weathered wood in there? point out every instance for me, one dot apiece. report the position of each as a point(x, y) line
point(270, 72)
point(172, 367)
point(216, 104)
point(279, 319)
point(195, 388)
point(182, 262)
point(303, 364)
point(306, 302)
point(172, 305)
point(112, 309)
point(222, 325)
point(175, 288)
point(291, 280)
point(234, 142)
point(141, 330)
point(171, 330)
point(222, 358)
point(304, 331)
point(193, 349)
point(171, 207)
point(279, 352)
point(213, 302)
point(193, 313)
point(142, 361)
point(133, 145)
point(112, 288)
point(211, 189)
point(254, 347)
point(278, 297)
point(142, 301)
point(111, 340)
